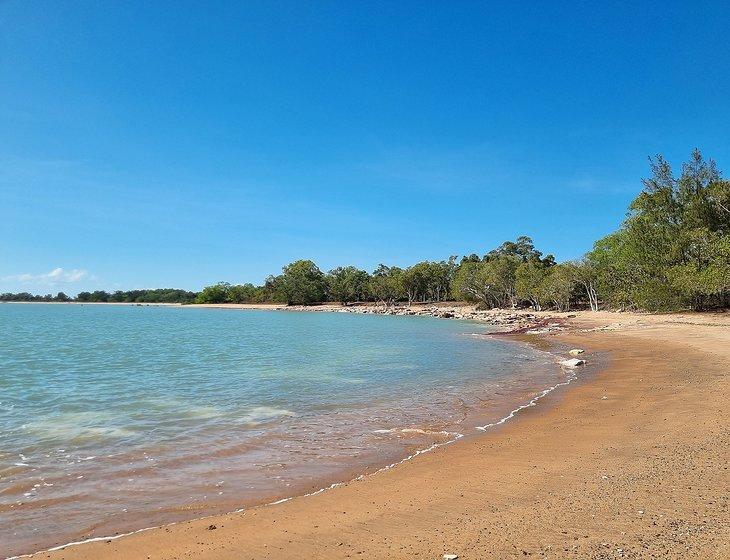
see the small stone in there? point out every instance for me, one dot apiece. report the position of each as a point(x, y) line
point(573, 362)
point(450, 556)
point(576, 351)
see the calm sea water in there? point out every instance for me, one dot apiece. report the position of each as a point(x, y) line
point(115, 418)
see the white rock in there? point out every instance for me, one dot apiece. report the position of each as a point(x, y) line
point(573, 362)
point(450, 556)
point(576, 351)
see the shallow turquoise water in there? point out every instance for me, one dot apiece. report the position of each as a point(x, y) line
point(118, 417)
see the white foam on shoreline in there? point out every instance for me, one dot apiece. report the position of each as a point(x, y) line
point(456, 437)
point(569, 372)
point(415, 431)
point(571, 376)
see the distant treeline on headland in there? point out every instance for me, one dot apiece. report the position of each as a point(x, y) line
point(159, 295)
point(672, 252)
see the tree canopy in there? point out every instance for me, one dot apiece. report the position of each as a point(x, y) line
point(673, 249)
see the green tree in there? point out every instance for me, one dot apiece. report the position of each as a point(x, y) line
point(529, 278)
point(303, 283)
point(490, 283)
point(347, 284)
point(585, 273)
point(522, 250)
point(242, 293)
point(557, 286)
point(672, 243)
point(273, 289)
point(217, 293)
point(415, 281)
point(386, 284)
point(432, 279)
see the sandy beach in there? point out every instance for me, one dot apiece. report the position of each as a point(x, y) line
point(344, 280)
point(629, 462)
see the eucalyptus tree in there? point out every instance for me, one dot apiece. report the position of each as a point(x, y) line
point(348, 283)
point(490, 283)
point(586, 275)
point(529, 279)
point(386, 284)
point(558, 285)
point(440, 276)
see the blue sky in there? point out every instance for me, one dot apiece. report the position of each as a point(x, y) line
point(155, 144)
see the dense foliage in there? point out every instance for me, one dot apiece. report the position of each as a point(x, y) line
point(25, 296)
point(672, 252)
point(160, 295)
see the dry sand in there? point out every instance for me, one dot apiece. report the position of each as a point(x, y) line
point(630, 462)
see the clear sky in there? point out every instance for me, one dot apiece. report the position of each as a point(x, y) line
point(176, 144)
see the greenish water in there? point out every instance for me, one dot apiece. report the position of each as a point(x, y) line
point(114, 418)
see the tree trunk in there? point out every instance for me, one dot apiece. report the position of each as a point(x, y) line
point(591, 293)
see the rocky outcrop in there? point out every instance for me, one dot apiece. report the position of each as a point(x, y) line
point(506, 320)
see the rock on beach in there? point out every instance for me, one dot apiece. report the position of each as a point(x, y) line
point(573, 362)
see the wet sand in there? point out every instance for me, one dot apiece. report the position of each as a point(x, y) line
point(630, 462)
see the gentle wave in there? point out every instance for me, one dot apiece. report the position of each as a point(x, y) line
point(455, 436)
point(571, 374)
point(165, 412)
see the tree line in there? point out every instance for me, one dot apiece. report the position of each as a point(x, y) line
point(159, 295)
point(671, 252)
point(26, 296)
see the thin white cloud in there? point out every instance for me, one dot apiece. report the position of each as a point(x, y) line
point(55, 276)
